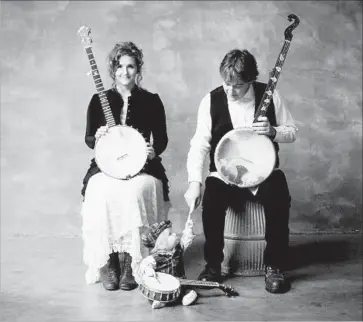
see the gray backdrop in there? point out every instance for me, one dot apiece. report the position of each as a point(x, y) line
point(45, 92)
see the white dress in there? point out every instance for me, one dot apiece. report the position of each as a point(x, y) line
point(114, 213)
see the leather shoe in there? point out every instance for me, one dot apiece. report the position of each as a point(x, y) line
point(210, 274)
point(127, 280)
point(109, 274)
point(275, 281)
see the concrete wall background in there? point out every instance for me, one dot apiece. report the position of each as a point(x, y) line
point(45, 92)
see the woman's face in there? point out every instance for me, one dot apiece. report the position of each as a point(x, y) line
point(126, 71)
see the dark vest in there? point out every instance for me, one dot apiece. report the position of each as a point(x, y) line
point(221, 119)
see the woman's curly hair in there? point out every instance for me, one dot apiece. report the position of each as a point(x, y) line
point(126, 48)
point(239, 64)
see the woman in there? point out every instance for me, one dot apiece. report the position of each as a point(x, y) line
point(115, 212)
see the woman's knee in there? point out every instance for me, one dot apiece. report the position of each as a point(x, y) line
point(95, 185)
point(145, 183)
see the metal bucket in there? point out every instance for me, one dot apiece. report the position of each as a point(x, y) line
point(244, 240)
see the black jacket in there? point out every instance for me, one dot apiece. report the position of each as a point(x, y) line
point(145, 113)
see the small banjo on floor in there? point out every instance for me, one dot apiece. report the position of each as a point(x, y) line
point(122, 152)
point(167, 288)
point(242, 157)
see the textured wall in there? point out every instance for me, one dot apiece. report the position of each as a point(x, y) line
point(45, 92)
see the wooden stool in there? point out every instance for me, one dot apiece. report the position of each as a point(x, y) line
point(244, 240)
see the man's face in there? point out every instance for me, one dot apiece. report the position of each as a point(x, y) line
point(235, 89)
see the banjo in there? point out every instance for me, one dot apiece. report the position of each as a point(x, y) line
point(242, 157)
point(167, 288)
point(122, 152)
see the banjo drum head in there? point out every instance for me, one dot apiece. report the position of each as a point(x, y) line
point(166, 288)
point(121, 153)
point(244, 158)
point(163, 283)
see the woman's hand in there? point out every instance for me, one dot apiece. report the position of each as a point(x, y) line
point(263, 127)
point(102, 130)
point(150, 151)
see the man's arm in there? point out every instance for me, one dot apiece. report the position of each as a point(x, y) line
point(286, 129)
point(199, 147)
point(200, 143)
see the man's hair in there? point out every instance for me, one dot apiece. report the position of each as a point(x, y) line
point(126, 48)
point(239, 64)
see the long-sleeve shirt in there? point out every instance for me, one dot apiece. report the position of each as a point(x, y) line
point(242, 115)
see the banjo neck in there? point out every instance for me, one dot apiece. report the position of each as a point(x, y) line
point(84, 32)
point(274, 76)
point(198, 283)
point(230, 291)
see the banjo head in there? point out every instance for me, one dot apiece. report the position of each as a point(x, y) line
point(244, 158)
point(121, 153)
point(166, 288)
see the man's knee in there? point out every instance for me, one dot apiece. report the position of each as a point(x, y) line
point(215, 191)
point(275, 189)
point(278, 176)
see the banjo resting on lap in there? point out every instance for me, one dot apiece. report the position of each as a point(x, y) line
point(244, 158)
point(122, 152)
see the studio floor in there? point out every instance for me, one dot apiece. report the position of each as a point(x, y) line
point(42, 278)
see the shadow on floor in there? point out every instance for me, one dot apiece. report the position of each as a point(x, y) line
point(323, 251)
point(305, 250)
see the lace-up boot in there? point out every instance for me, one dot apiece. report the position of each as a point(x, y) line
point(109, 273)
point(127, 280)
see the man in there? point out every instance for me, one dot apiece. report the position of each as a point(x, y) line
point(230, 106)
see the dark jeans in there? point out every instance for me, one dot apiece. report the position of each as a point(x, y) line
point(273, 194)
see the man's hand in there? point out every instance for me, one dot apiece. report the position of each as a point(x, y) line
point(193, 195)
point(263, 127)
point(189, 225)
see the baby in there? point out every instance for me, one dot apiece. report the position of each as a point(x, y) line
point(167, 256)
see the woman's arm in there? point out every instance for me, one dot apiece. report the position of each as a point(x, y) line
point(95, 119)
point(158, 127)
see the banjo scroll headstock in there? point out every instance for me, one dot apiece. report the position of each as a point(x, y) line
point(294, 24)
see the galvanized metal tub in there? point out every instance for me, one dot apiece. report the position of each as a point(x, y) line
point(244, 238)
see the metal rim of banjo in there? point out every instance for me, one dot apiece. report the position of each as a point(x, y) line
point(259, 142)
point(164, 296)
